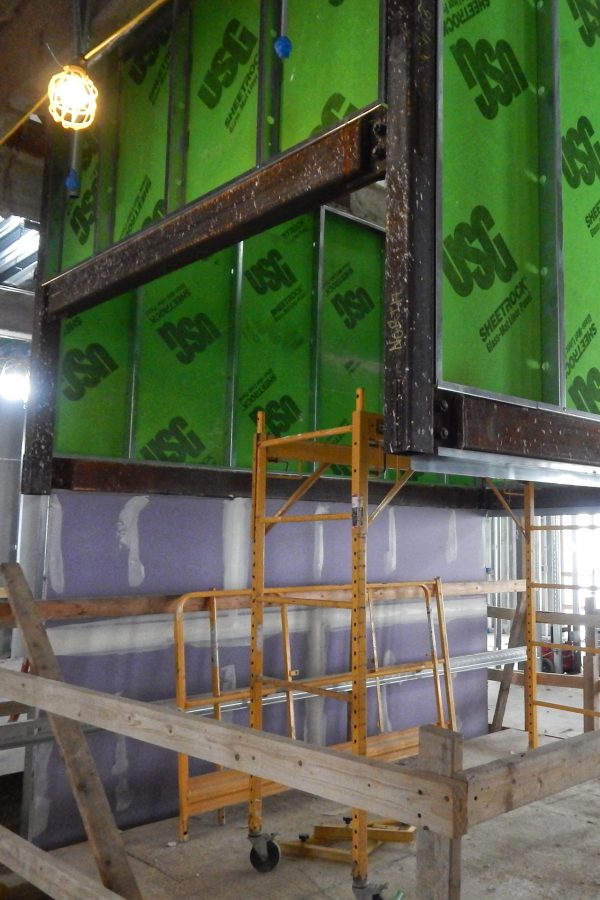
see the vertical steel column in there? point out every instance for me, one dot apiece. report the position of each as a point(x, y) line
point(530, 617)
point(550, 203)
point(269, 82)
point(36, 471)
point(358, 628)
point(259, 490)
point(410, 268)
point(179, 92)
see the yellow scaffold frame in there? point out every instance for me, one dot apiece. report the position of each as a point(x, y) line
point(365, 455)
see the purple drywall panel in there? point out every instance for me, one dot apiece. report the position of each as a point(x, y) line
point(103, 544)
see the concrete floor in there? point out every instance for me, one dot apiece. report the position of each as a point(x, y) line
point(548, 850)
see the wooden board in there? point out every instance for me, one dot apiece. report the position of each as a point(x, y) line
point(505, 784)
point(164, 604)
point(104, 837)
point(439, 858)
point(47, 872)
point(394, 791)
point(227, 788)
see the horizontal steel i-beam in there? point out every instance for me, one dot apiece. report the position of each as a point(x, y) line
point(315, 172)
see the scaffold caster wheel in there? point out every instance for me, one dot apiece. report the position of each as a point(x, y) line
point(268, 862)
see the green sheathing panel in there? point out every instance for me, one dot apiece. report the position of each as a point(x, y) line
point(350, 341)
point(223, 93)
point(94, 385)
point(182, 399)
point(491, 320)
point(580, 127)
point(333, 69)
point(276, 325)
point(142, 138)
point(80, 212)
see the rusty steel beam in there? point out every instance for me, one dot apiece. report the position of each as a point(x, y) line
point(315, 172)
point(128, 476)
point(410, 273)
point(483, 424)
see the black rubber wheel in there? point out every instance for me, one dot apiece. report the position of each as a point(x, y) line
point(548, 665)
point(268, 864)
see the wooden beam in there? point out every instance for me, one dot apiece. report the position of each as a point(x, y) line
point(548, 618)
point(102, 832)
point(506, 784)
point(48, 873)
point(515, 639)
point(591, 670)
point(439, 858)
point(394, 791)
point(164, 604)
point(549, 679)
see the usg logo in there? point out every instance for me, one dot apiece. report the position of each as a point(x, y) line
point(496, 70)
point(235, 50)
point(353, 306)
point(83, 369)
point(175, 443)
point(588, 13)
point(336, 108)
point(270, 273)
point(280, 414)
point(143, 61)
point(188, 337)
point(473, 255)
point(580, 157)
point(585, 392)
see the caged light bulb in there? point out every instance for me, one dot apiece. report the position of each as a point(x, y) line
point(73, 98)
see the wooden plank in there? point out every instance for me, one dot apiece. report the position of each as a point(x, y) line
point(102, 832)
point(120, 607)
point(591, 669)
point(47, 872)
point(516, 638)
point(227, 788)
point(164, 604)
point(439, 858)
point(497, 787)
point(550, 679)
point(393, 791)
point(548, 618)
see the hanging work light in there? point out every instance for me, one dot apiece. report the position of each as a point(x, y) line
point(72, 95)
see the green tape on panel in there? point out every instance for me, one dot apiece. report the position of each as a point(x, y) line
point(80, 212)
point(333, 69)
point(143, 110)
point(183, 365)
point(351, 329)
point(580, 127)
point(223, 93)
point(94, 384)
point(491, 333)
point(274, 369)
